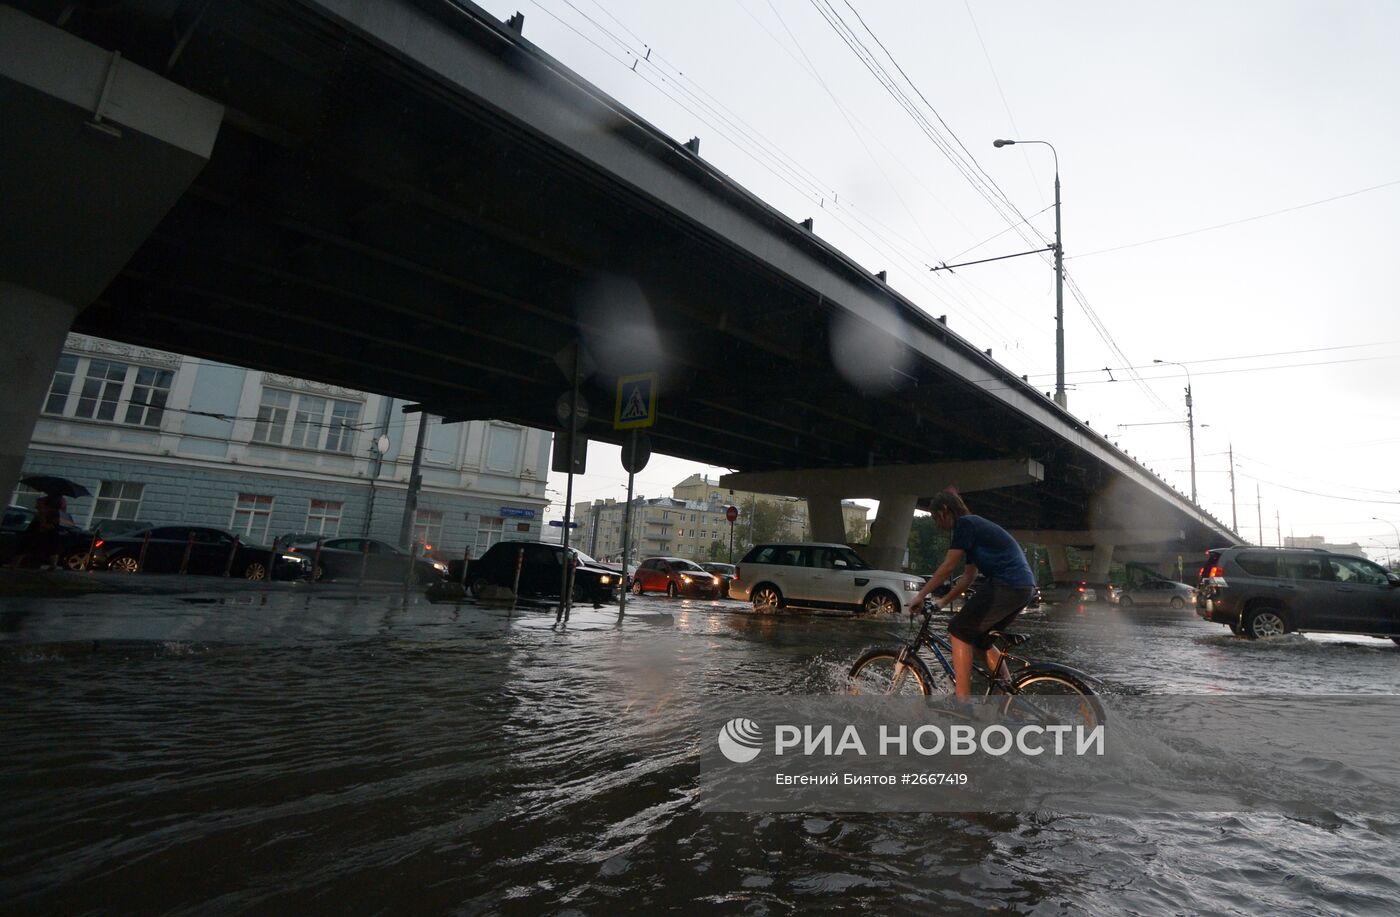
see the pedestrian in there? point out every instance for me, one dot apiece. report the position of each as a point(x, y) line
point(977, 544)
point(42, 536)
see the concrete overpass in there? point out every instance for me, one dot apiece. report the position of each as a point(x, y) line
point(408, 197)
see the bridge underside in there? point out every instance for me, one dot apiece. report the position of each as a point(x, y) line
point(367, 219)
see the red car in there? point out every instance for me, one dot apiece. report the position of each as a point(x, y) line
point(674, 576)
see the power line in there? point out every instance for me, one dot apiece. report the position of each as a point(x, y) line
point(1261, 216)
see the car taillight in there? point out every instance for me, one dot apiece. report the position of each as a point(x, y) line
point(737, 571)
point(1215, 571)
point(98, 543)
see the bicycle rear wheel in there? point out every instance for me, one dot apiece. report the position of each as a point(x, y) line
point(1053, 696)
point(878, 672)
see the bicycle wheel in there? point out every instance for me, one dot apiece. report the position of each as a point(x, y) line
point(1078, 707)
point(875, 674)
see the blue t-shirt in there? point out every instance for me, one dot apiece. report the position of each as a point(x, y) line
point(992, 550)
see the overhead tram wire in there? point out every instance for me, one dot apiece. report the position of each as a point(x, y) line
point(814, 190)
point(1006, 106)
point(1097, 323)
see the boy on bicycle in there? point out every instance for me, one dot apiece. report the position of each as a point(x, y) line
point(977, 545)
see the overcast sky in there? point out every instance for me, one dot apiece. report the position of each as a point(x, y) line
point(1169, 121)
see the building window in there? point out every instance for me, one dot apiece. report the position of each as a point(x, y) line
point(316, 422)
point(117, 500)
point(149, 393)
point(503, 449)
point(252, 514)
point(323, 517)
point(488, 531)
point(106, 385)
point(427, 527)
point(62, 384)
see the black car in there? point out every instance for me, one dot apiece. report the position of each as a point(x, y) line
point(346, 558)
point(71, 543)
point(199, 550)
point(541, 572)
point(725, 572)
point(1264, 592)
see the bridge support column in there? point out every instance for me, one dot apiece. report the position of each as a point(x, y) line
point(38, 325)
point(1059, 561)
point(889, 539)
point(96, 151)
point(1098, 566)
point(824, 515)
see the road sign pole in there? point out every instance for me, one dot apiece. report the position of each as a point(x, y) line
point(566, 600)
point(627, 526)
point(731, 542)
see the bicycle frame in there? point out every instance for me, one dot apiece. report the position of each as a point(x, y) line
point(1000, 681)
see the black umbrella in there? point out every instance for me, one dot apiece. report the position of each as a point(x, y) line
point(51, 484)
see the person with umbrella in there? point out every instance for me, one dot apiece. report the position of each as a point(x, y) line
point(42, 537)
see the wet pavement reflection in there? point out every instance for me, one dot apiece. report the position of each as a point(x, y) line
point(312, 750)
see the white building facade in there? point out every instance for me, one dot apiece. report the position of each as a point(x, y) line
point(162, 438)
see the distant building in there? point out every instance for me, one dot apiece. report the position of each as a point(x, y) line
point(692, 523)
point(163, 438)
point(1318, 541)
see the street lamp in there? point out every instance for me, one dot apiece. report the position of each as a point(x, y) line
point(1392, 526)
point(1190, 423)
point(1060, 397)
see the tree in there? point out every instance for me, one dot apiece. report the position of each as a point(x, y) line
point(928, 545)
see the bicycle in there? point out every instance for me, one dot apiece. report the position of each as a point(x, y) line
point(902, 671)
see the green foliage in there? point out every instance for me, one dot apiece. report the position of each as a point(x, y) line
point(928, 545)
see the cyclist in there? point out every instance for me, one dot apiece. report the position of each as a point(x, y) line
point(977, 545)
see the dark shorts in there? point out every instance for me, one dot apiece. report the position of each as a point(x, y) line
point(992, 607)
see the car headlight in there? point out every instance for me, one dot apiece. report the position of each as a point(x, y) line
point(440, 567)
point(605, 580)
point(912, 585)
point(685, 577)
point(293, 559)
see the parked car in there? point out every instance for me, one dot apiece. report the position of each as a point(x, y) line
point(71, 544)
point(674, 576)
point(811, 574)
point(725, 572)
point(541, 572)
point(1073, 591)
point(1264, 592)
point(1157, 592)
point(344, 558)
point(209, 551)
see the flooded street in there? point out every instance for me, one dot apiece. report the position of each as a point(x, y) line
point(288, 751)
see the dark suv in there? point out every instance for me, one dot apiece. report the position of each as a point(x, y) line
point(1264, 592)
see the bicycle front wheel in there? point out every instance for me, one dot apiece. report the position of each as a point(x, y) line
point(879, 672)
point(1079, 706)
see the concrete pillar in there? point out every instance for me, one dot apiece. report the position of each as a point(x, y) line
point(1059, 561)
point(96, 151)
point(890, 538)
point(1098, 566)
point(38, 325)
point(824, 515)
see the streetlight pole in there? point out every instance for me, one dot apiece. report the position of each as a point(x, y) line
point(1393, 528)
point(1060, 398)
point(1190, 425)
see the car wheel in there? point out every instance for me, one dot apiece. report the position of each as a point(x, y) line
point(123, 564)
point(255, 572)
point(767, 599)
point(478, 585)
point(1178, 602)
point(671, 590)
point(1266, 621)
point(74, 561)
point(320, 573)
point(1125, 602)
point(637, 587)
point(881, 602)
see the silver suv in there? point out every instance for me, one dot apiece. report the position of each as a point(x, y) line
point(818, 575)
point(1263, 592)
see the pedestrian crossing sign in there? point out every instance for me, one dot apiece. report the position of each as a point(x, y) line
point(636, 402)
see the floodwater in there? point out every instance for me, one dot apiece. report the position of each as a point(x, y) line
point(290, 751)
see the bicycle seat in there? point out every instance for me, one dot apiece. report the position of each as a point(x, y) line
point(1009, 639)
